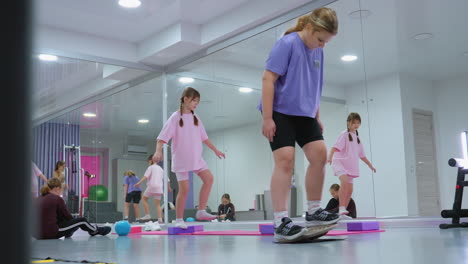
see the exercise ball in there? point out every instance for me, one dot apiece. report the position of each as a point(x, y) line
point(190, 219)
point(97, 193)
point(122, 228)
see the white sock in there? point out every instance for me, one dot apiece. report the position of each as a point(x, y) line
point(278, 216)
point(312, 206)
point(160, 220)
point(179, 220)
point(342, 209)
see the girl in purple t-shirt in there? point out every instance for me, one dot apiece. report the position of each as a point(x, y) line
point(187, 133)
point(132, 194)
point(344, 159)
point(291, 91)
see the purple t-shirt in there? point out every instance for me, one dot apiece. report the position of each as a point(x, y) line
point(299, 86)
point(131, 182)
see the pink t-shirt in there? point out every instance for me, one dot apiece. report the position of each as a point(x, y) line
point(154, 174)
point(348, 153)
point(34, 185)
point(187, 142)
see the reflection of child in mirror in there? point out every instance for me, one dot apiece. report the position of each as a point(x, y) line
point(345, 162)
point(187, 133)
point(154, 188)
point(226, 210)
point(132, 194)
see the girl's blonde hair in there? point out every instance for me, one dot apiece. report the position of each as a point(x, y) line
point(321, 19)
point(51, 184)
point(129, 173)
point(190, 93)
point(351, 117)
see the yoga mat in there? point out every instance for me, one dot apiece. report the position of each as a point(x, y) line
point(251, 233)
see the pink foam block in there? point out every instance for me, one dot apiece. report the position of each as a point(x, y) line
point(362, 226)
point(266, 228)
point(190, 229)
point(344, 233)
point(136, 229)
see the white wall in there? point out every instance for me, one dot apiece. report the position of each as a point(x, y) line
point(245, 172)
point(452, 115)
point(383, 138)
point(415, 94)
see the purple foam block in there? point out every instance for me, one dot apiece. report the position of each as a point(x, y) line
point(363, 226)
point(266, 228)
point(190, 229)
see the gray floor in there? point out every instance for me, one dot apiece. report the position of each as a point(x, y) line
point(405, 240)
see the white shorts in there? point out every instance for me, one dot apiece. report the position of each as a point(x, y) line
point(184, 176)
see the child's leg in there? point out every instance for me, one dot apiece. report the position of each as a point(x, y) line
point(136, 207)
point(68, 227)
point(207, 178)
point(145, 205)
point(181, 198)
point(316, 154)
point(281, 182)
point(157, 204)
point(126, 209)
point(344, 191)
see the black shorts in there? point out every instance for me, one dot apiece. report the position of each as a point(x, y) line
point(134, 196)
point(291, 129)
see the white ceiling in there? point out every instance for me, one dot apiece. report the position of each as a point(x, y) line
point(383, 43)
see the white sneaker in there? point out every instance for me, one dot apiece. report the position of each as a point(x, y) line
point(181, 225)
point(155, 227)
point(215, 221)
point(202, 215)
point(146, 217)
point(148, 226)
point(345, 217)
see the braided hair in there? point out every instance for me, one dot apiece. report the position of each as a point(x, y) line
point(351, 118)
point(192, 94)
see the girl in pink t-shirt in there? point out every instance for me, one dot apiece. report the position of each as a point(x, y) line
point(186, 130)
point(154, 188)
point(344, 159)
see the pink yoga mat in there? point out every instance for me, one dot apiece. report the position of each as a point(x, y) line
point(251, 233)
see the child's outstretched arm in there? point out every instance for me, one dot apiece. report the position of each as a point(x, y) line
point(218, 153)
point(140, 181)
point(368, 164)
point(330, 156)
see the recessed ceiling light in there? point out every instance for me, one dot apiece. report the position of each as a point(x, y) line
point(361, 13)
point(422, 36)
point(89, 115)
point(186, 80)
point(349, 58)
point(47, 57)
point(130, 3)
point(245, 90)
point(143, 121)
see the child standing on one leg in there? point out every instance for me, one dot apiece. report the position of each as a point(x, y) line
point(154, 188)
point(187, 133)
point(291, 90)
point(344, 159)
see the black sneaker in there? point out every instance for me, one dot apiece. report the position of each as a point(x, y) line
point(321, 217)
point(104, 230)
point(288, 231)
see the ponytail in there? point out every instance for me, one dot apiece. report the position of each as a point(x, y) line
point(321, 19)
point(51, 184)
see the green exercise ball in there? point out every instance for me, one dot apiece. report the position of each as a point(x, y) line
point(97, 193)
